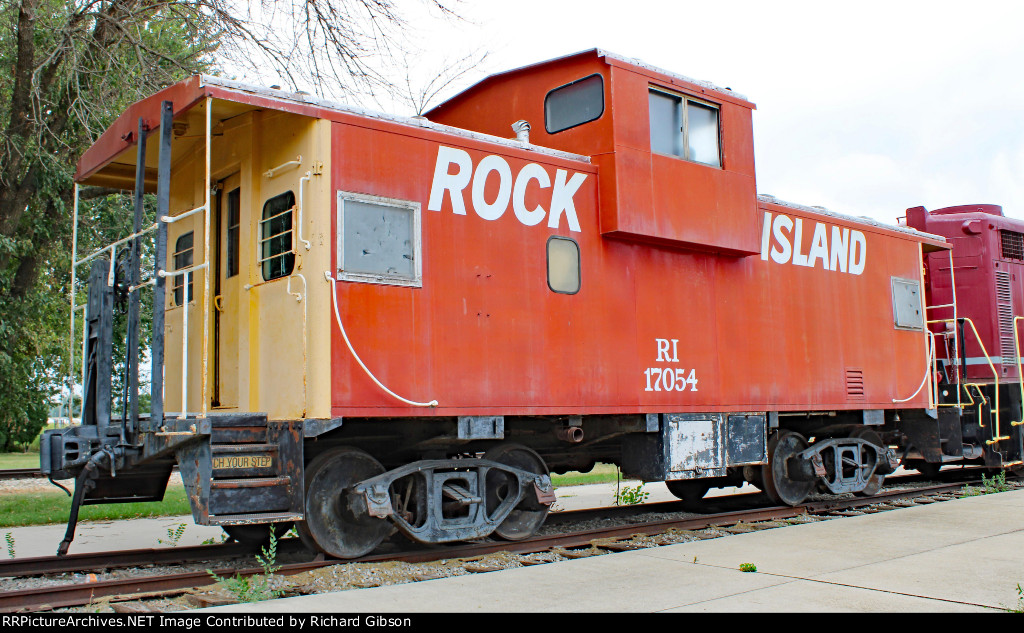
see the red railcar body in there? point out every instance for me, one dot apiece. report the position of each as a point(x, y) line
point(605, 286)
point(670, 250)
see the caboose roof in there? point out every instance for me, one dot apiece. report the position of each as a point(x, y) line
point(930, 241)
point(110, 161)
point(609, 58)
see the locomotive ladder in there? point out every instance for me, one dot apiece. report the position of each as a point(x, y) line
point(959, 369)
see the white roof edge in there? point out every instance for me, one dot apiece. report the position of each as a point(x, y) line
point(420, 122)
point(763, 197)
point(700, 82)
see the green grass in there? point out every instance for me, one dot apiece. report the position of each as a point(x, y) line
point(44, 508)
point(19, 460)
point(601, 474)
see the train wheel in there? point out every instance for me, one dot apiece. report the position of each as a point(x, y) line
point(257, 533)
point(927, 469)
point(688, 490)
point(777, 483)
point(876, 480)
point(527, 517)
point(330, 525)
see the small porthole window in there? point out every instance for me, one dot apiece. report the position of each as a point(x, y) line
point(276, 255)
point(563, 265)
point(183, 258)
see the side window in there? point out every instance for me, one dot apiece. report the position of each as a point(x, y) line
point(379, 240)
point(684, 127)
point(183, 257)
point(234, 207)
point(276, 255)
point(563, 265)
point(574, 104)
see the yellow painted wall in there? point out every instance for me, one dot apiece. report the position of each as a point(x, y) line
point(272, 374)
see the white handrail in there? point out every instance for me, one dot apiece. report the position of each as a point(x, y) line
point(307, 177)
point(337, 316)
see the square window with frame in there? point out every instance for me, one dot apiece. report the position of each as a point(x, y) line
point(379, 240)
point(685, 127)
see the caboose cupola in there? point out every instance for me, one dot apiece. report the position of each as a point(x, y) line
point(675, 154)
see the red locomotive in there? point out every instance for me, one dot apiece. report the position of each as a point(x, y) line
point(376, 322)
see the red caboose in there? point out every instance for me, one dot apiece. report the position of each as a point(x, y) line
point(378, 322)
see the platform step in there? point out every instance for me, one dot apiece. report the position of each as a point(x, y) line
point(249, 482)
point(222, 420)
point(238, 428)
point(254, 517)
point(235, 496)
point(222, 449)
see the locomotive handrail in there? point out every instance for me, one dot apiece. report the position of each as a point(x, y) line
point(307, 178)
point(927, 374)
point(1020, 380)
point(955, 361)
point(182, 271)
point(273, 171)
point(171, 219)
point(305, 335)
point(113, 245)
point(998, 437)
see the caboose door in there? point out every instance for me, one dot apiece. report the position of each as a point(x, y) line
point(227, 222)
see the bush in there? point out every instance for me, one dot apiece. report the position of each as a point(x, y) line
point(20, 425)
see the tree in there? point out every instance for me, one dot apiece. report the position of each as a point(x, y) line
point(70, 67)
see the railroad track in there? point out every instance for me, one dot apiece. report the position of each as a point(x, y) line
point(20, 473)
point(33, 473)
point(613, 538)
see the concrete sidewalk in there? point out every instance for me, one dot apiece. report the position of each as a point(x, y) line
point(962, 555)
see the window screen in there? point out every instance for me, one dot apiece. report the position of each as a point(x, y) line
point(574, 104)
point(563, 265)
point(379, 240)
point(183, 257)
point(684, 127)
point(276, 255)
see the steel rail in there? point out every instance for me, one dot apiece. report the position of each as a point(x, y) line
point(82, 594)
point(721, 505)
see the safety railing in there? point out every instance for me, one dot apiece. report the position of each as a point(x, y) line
point(204, 267)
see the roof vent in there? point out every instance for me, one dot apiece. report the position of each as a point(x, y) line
point(522, 130)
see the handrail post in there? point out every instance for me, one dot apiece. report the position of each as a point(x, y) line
point(163, 201)
point(206, 260)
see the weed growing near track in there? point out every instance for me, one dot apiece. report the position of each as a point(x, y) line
point(630, 495)
point(989, 486)
point(10, 545)
point(257, 587)
point(748, 567)
point(173, 535)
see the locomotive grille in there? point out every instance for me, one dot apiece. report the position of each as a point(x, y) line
point(1013, 244)
point(855, 384)
point(1004, 309)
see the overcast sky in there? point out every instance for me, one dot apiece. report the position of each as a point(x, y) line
point(864, 107)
